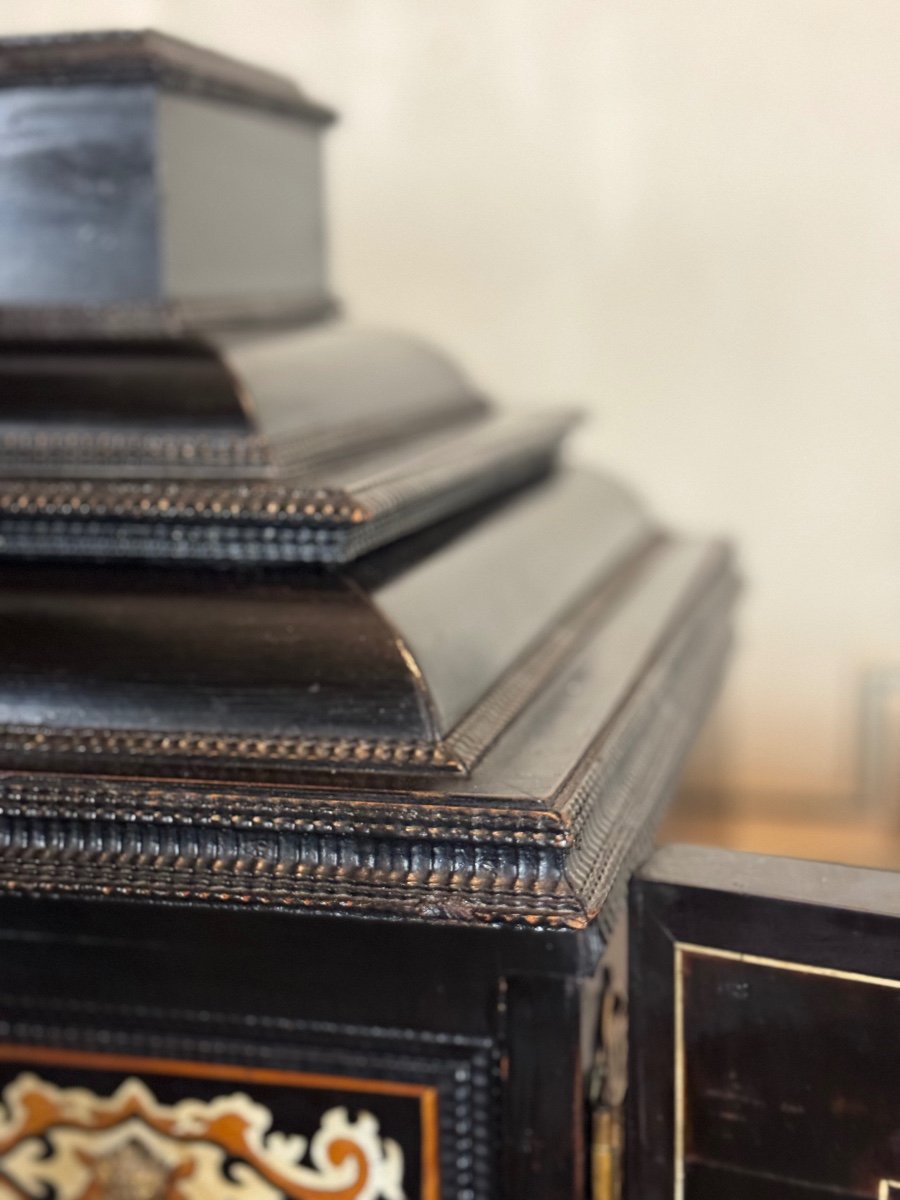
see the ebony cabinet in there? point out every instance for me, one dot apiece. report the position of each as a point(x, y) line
point(335, 709)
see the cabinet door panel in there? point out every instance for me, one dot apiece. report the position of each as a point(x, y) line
point(765, 1029)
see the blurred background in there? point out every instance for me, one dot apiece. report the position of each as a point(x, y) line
point(684, 217)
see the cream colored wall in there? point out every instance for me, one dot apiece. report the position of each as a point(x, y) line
point(683, 215)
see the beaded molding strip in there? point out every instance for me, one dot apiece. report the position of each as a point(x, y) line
point(270, 521)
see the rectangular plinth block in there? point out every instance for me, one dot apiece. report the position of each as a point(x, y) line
point(147, 185)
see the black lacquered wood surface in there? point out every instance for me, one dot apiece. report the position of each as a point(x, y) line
point(765, 994)
point(116, 148)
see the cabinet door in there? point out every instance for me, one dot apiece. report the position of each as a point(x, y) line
point(765, 1029)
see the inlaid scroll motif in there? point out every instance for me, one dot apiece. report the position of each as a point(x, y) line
point(70, 1144)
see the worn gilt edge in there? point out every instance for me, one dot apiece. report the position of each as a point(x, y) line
point(119, 506)
point(450, 881)
point(59, 798)
point(127, 507)
point(27, 744)
point(427, 869)
point(444, 874)
point(333, 528)
point(445, 904)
